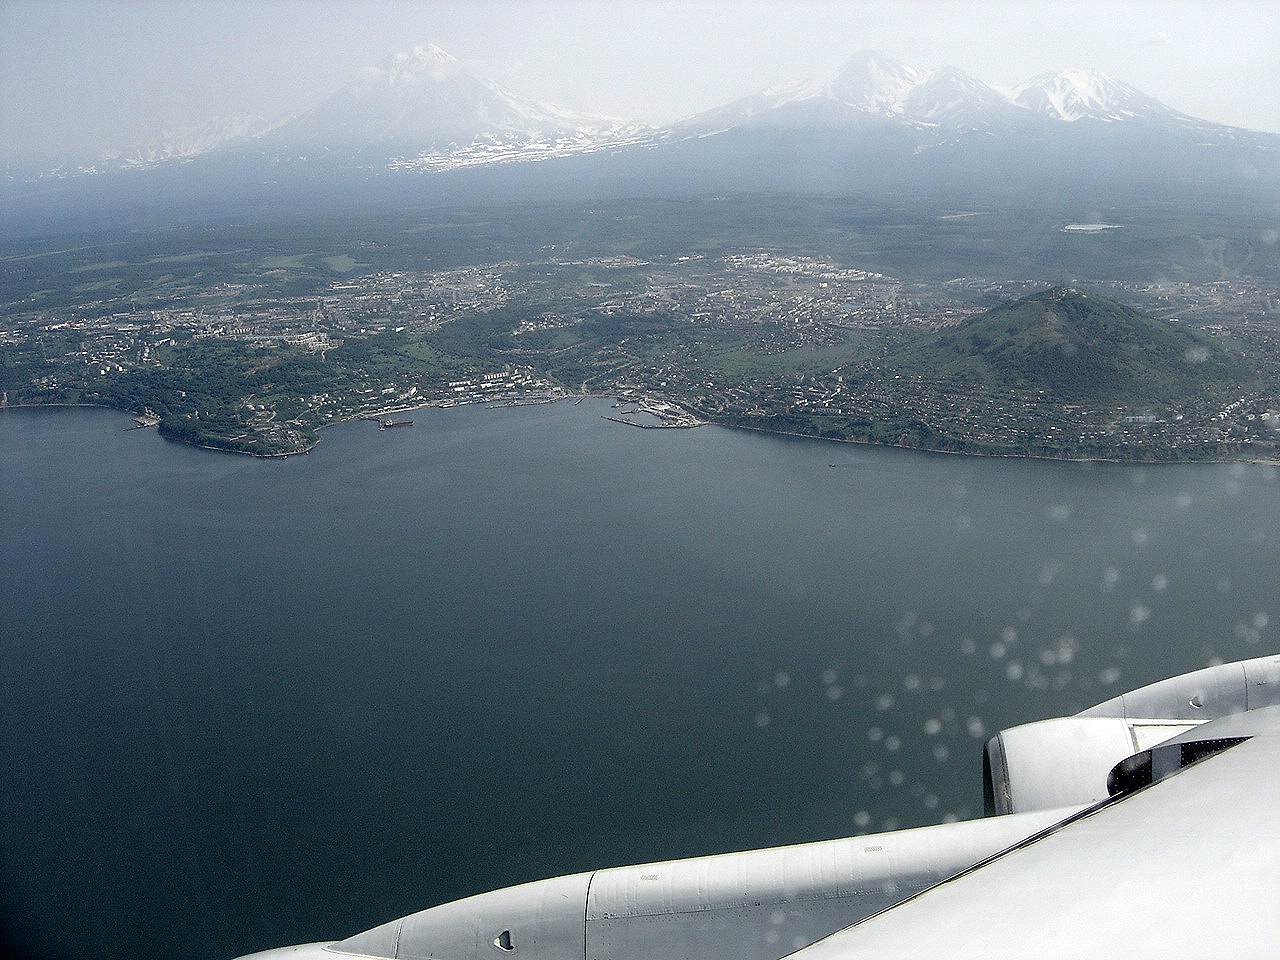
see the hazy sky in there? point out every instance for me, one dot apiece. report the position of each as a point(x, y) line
point(89, 73)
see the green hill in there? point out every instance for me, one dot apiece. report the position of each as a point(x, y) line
point(1076, 347)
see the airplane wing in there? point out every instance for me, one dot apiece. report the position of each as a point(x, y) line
point(1188, 866)
point(1145, 827)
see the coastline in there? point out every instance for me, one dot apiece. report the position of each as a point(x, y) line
point(577, 398)
point(994, 456)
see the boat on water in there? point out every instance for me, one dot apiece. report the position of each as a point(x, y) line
point(388, 424)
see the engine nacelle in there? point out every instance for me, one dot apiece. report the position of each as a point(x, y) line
point(1066, 761)
point(1063, 762)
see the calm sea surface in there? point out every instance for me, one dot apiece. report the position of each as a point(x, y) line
point(253, 702)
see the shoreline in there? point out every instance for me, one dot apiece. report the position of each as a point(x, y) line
point(994, 456)
point(578, 398)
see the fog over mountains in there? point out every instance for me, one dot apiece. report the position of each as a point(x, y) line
point(877, 127)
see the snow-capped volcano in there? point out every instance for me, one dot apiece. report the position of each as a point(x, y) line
point(877, 126)
point(1072, 95)
point(871, 86)
point(426, 99)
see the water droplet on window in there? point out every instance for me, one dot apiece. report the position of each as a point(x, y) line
point(1139, 614)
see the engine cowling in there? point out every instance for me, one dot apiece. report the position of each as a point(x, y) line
point(1067, 761)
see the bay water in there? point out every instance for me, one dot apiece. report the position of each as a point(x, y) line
point(250, 702)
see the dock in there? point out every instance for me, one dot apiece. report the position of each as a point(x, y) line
point(652, 426)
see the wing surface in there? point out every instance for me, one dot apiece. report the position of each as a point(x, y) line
point(1189, 866)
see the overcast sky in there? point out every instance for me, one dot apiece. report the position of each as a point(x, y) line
point(87, 74)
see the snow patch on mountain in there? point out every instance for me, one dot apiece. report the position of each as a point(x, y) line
point(482, 153)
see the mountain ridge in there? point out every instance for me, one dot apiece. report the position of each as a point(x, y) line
point(874, 128)
point(425, 100)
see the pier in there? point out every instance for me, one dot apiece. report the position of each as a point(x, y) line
point(652, 426)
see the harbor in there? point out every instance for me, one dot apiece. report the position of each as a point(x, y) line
point(661, 415)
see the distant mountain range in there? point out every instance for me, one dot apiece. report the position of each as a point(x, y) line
point(877, 127)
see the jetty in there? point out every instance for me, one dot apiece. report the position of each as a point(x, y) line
point(652, 426)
